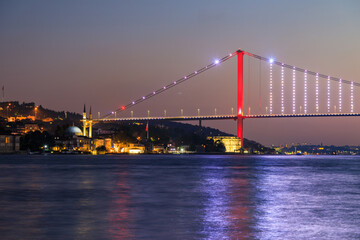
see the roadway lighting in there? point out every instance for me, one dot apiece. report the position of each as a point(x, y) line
point(132, 113)
point(182, 112)
point(98, 115)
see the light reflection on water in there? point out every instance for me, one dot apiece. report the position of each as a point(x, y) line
point(179, 197)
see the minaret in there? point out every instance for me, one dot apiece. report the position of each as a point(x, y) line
point(84, 121)
point(90, 124)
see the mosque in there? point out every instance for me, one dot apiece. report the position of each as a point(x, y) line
point(87, 123)
point(83, 140)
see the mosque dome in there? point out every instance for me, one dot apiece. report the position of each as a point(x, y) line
point(73, 130)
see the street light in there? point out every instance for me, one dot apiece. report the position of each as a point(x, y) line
point(98, 115)
point(36, 108)
point(132, 113)
point(182, 112)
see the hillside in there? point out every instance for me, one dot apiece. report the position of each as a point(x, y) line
point(29, 110)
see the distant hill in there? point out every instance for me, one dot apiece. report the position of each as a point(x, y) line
point(15, 109)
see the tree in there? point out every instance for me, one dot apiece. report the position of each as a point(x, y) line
point(35, 141)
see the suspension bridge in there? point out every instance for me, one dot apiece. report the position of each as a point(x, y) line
point(312, 84)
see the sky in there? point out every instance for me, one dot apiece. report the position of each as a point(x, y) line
point(63, 54)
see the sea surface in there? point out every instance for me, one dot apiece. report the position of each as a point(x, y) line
point(179, 197)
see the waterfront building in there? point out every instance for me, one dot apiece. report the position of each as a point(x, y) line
point(9, 143)
point(232, 144)
point(87, 123)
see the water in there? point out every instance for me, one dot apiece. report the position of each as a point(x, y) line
point(179, 197)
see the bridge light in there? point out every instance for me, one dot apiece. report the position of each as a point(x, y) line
point(340, 95)
point(352, 97)
point(328, 94)
point(271, 60)
point(271, 86)
point(122, 107)
point(294, 89)
point(282, 89)
point(305, 91)
point(133, 102)
point(217, 61)
point(317, 92)
point(144, 97)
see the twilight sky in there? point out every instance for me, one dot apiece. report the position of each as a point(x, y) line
point(62, 54)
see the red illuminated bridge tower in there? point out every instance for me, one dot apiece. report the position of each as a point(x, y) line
point(240, 102)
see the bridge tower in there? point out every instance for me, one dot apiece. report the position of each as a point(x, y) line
point(240, 98)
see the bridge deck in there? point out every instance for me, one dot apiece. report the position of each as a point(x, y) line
point(234, 117)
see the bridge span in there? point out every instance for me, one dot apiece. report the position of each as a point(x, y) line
point(221, 117)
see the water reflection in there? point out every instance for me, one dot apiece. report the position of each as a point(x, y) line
point(180, 197)
point(227, 210)
point(119, 213)
point(215, 189)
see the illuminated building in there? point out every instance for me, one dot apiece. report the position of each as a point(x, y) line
point(87, 124)
point(9, 143)
point(232, 144)
point(31, 127)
